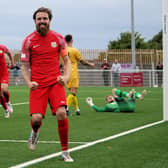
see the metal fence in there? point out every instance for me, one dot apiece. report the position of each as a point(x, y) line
point(96, 77)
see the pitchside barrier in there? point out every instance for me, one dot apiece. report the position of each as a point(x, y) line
point(97, 77)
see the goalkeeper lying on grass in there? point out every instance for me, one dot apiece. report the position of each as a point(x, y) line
point(120, 101)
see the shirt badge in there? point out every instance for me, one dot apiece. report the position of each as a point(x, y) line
point(53, 44)
point(23, 55)
point(1, 51)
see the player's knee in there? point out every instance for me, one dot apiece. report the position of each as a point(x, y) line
point(73, 91)
point(37, 118)
point(4, 88)
point(61, 113)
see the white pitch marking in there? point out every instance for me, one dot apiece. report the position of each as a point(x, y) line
point(31, 162)
point(16, 104)
point(47, 142)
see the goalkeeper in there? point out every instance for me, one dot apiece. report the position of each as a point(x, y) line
point(125, 100)
point(120, 101)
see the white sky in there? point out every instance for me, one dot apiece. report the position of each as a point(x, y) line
point(93, 23)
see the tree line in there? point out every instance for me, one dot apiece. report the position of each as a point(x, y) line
point(124, 41)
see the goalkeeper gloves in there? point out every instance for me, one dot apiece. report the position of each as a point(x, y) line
point(89, 101)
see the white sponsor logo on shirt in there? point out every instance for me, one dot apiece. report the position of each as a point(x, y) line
point(23, 55)
point(53, 44)
point(4, 81)
point(35, 46)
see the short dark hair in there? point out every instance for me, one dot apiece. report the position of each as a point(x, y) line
point(68, 38)
point(43, 9)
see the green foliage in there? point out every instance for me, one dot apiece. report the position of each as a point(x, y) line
point(124, 41)
point(156, 41)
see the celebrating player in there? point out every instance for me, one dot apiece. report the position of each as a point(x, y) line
point(41, 51)
point(5, 98)
point(120, 101)
point(73, 82)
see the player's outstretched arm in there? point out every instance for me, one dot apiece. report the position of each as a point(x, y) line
point(84, 62)
point(99, 109)
point(89, 101)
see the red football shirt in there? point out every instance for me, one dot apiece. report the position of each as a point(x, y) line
point(43, 54)
point(3, 50)
point(3, 66)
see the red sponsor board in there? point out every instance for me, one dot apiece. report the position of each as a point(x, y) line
point(125, 79)
point(137, 79)
point(131, 79)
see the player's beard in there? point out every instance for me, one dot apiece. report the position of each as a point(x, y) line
point(42, 30)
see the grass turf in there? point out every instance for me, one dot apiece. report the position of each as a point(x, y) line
point(143, 149)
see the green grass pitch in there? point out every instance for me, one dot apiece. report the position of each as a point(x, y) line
point(143, 149)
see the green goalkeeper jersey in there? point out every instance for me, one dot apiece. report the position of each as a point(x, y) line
point(126, 105)
point(110, 107)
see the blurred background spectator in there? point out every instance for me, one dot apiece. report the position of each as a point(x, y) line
point(105, 66)
point(159, 68)
point(16, 73)
point(116, 67)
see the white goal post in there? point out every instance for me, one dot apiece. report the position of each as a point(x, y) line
point(165, 57)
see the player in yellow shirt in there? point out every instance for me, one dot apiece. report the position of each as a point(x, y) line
point(73, 83)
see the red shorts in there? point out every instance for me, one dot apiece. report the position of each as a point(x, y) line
point(0, 76)
point(54, 95)
point(5, 76)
